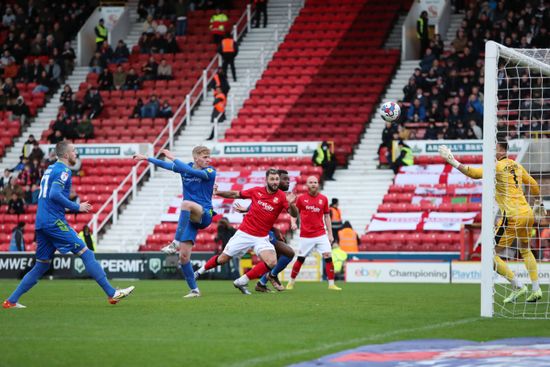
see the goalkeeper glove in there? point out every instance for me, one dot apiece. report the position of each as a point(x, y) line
point(447, 155)
point(538, 210)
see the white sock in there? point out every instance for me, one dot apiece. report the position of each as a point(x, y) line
point(292, 280)
point(331, 282)
point(201, 270)
point(516, 283)
point(242, 280)
point(535, 285)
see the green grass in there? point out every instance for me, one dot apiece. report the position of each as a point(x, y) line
point(69, 323)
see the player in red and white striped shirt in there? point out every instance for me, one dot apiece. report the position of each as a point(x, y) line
point(315, 231)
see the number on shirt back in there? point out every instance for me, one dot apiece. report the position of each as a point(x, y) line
point(44, 186)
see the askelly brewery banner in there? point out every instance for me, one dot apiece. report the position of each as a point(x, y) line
point(250, 149)
point(417, 221)
point(106, 150)
point(141, 265)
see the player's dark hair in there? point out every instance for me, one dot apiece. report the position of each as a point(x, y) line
point(282, 172)
point(61, 148)
point(502, 140)
point(271, 171)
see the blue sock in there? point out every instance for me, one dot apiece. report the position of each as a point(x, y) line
point(280, 266)
point(29, 280)
point(182, 224)
point(189, 275)
point(96, 271)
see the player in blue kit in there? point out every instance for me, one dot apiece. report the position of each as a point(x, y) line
point(53, 232)
point(197, 179)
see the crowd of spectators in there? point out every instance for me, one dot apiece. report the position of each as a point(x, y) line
point(446, 90)
point(152, 109)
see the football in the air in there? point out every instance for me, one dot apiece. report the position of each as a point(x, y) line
point(390, 111)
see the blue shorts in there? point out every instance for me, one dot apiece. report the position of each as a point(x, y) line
point(190, 233)
point(60, 237)
point(272, 238)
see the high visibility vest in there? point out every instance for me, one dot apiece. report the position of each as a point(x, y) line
point(409, 158)
point(217, 80)
point(335, 214)
point(228, 45)
point(220, 106)
point(420, 23)
point(218, 23)
point(81, 236)
point(347, 239)
point(321, 155)
point(102, 33)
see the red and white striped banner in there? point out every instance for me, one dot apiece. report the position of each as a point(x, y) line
point(418, 221)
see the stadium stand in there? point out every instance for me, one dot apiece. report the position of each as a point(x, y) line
point(326, 77)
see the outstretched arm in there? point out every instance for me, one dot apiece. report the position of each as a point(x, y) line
point(231, 194)
point(471, 172)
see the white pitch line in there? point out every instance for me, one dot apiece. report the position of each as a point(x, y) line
point(320, 348)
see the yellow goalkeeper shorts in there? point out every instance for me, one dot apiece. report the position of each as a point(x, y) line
point(511, 227)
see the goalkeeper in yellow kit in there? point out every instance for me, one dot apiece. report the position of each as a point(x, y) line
point(517, 216)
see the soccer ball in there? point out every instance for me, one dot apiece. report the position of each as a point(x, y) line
point(390, 111)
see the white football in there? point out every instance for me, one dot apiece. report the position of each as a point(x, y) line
point(390, 111)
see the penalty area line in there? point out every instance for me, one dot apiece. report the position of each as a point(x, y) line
point(370, 338)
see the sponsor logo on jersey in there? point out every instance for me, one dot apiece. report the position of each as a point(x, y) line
point(64, 176)
point(313, 208)
point(266, 206)
point(275, 200)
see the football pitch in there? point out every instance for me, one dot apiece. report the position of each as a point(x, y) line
point(70, 323)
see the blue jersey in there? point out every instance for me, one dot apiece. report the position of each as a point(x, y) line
point(55, 187)
point(198, 189)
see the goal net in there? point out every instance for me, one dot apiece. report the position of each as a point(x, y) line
point(515, 247)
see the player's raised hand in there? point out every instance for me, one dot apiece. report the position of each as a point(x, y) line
point(168, 154)
point(447, 155)
point(140, 157)
point(85, 207)
point(239, 208)
point(291, 198)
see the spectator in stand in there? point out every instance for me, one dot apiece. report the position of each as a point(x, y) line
point(20, 111)
point(11, 92)
point(97, 63)
point(324, 157)
point(66, 96)
point(165, 110)
point(150, 25)
point(121, 53)
point(105, 80)
point(68, 56)
point(119, 78)
point(101, 34)
point(461, 131)
point(261, 8)
point(409, 90)
point(17, 242)
point(228, 50)
point(5, 179)
point(171, 44)
point(422, 32)
point(136, 112)
point(37, 70)
point(12, 188)
point(93, 102)
point(85, 129)
point(387, 138)
point(16, 205)
point(158, 43)
point(53, 71)
point(405, 157)
point(106, 53)
point(25, 178)
point(164, 70)
point(149, 69)
point(9, 17)
point(21, 164)
point(74, 107)
point(181, 8)
point(460, 42)
point(455, 115)
point(43, 84)
point(348, 239)
point(144, 43)
point(37, 154)
point(86, 236)
point(478, 133)
point(28, 146)
point(132, 80)
point(25, 74)
point(435, 113)
point(427, 61)
point(431, 132)
point(219, 25)
point(416, 112)
point(335, 217)
point(151, 108)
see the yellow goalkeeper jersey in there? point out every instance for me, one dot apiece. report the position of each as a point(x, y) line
point(510, 176)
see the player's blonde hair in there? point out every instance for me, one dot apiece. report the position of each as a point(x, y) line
point(201, 149)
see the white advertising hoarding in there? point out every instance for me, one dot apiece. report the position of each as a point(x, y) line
point(470, 272)
point(397, 272)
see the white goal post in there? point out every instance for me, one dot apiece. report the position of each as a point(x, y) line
point(504, 68)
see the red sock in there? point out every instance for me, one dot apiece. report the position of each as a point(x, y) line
point(296, 269)
point(329, 269)
point(211, 263)
point(257, 271)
